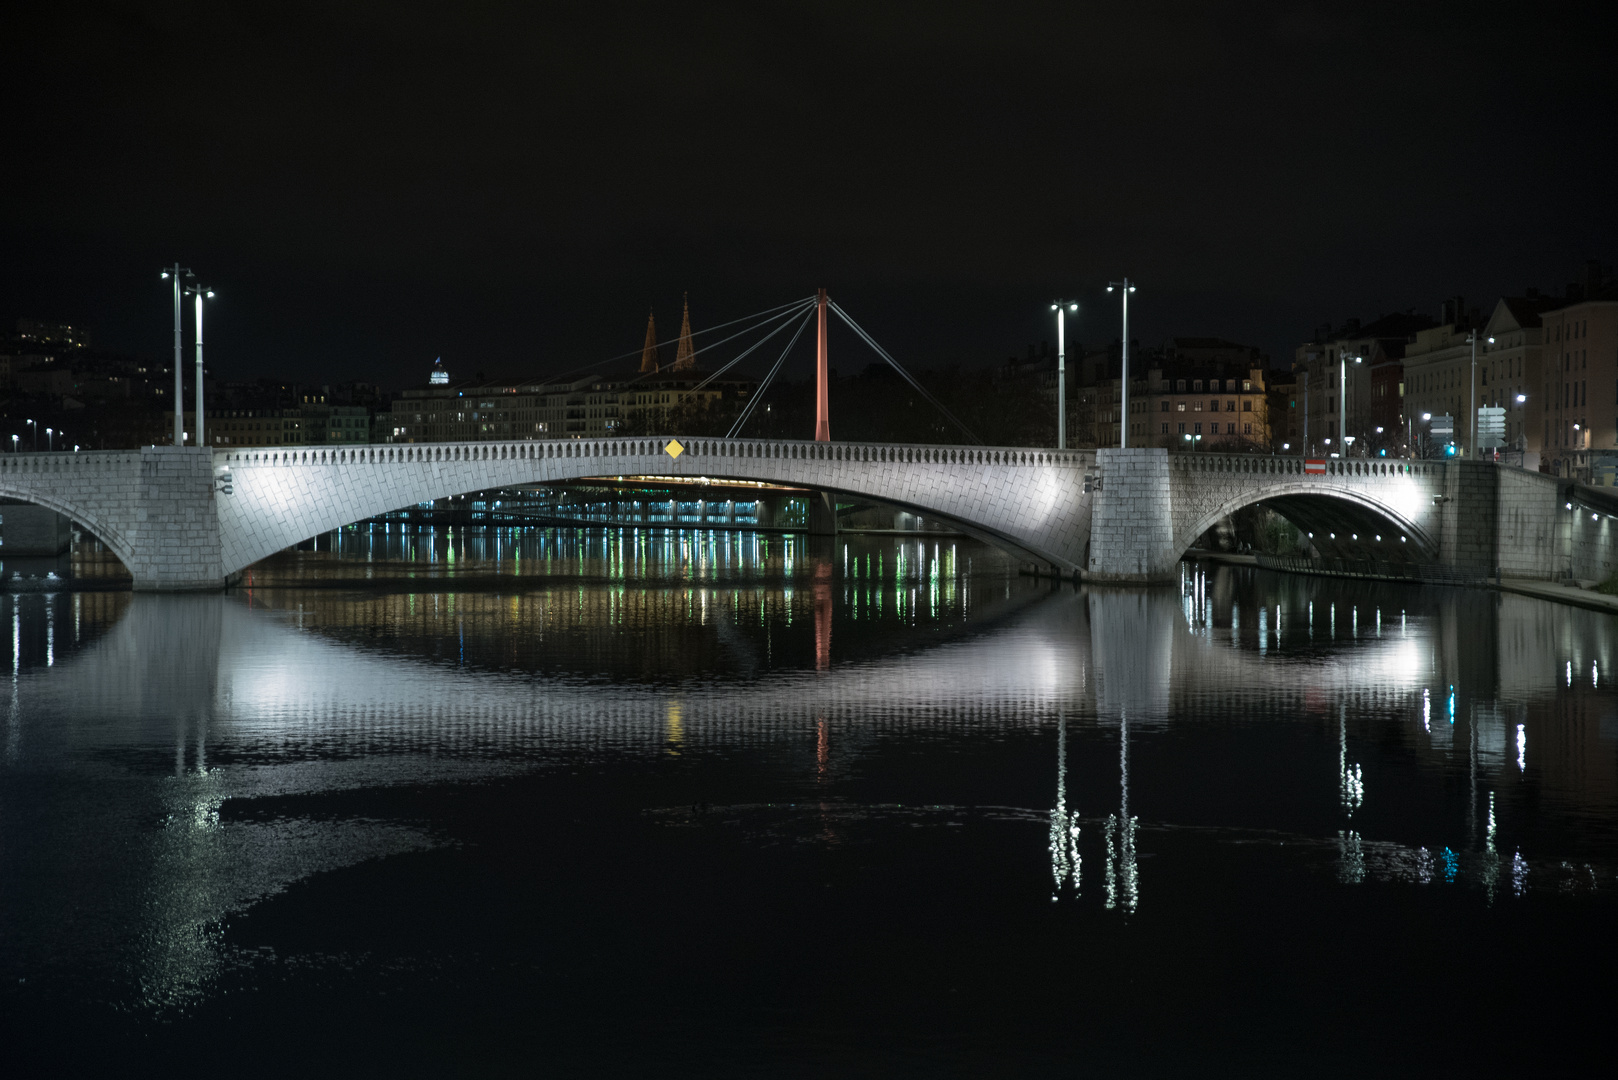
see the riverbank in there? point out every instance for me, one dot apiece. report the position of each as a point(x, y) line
point(1562, 593)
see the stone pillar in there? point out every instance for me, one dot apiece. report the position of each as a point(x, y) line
point(175, 534)
point(1470, 523)
point(822, 514)
point(1132, 520)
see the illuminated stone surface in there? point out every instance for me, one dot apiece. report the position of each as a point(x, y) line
point(191, 519)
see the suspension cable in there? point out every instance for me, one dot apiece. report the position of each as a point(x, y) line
point(883, 353)
point(758, 395)
point(785, 319)
point(749, 350)
point(762, 316)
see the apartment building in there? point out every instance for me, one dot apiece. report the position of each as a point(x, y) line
point(1576, 393)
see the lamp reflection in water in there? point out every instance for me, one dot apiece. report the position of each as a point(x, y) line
point(1065, 860)
point(1350, 778)
point(1123, 876)
point(1132, 640)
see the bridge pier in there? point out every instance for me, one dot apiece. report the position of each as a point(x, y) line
point(173, 542)
point(822, 514)
point(1132, 520)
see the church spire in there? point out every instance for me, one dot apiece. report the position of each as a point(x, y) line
point(685, 355)
point(648, 354)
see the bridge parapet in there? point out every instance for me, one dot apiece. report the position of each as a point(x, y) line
point(190, 518)
point(1034, 500)
point(653, 447)
point(1289, 465)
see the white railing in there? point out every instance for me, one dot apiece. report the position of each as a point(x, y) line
point(1266, 464)
point(700, 449)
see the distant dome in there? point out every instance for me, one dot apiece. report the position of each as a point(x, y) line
point(439, 377)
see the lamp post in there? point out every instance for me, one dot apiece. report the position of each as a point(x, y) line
point(1061, 307)
point(48, 433)
point(1123, 429)
point(14, 444)
point(199, 292)
point(35, 434)
point(1472, 340)
point(1193, 440)
point(174, 273)
point(1342, 400)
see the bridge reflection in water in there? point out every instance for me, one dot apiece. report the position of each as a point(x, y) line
point(305, 689)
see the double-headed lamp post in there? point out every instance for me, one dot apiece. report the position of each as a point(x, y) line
point(1061, 307)
point(1126, 287)
point(199, 292)
point(1342, 403)
point(173, 273)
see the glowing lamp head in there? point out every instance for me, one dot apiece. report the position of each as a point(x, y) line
point(1073, 307)
point(1426, 416)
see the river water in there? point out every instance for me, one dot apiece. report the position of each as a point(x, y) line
point(707, 804)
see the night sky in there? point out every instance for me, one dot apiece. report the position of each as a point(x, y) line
point(512, 186)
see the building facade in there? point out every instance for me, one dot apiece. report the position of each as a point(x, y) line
point(1578, 388)
point(583, 408)
point(1206, 394)
point(1349, 382)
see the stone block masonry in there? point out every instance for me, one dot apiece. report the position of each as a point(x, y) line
point(1132, 522)
point(187, 518)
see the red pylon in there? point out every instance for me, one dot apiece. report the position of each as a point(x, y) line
point(822, 410)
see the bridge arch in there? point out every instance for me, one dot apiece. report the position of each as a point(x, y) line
point(91, 518)
point(1343, 519)
point(1033, 504)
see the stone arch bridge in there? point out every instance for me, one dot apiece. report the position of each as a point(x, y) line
point(194, 518)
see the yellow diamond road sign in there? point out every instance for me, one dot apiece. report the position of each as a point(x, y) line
point(674, 449)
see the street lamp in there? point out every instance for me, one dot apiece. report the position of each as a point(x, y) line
point(1472, 340)
point(49, 431)
point(173, 273)
point(1061, 307)
point(1127, 288)
point(14, 444)
point(199, 292)
point(1342, 398)
point(35, 434)
point(1193, 440)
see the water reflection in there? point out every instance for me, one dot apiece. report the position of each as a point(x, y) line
point(1064, 841)
point(215, 722)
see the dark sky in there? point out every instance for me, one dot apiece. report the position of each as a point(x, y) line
point(511, 186)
